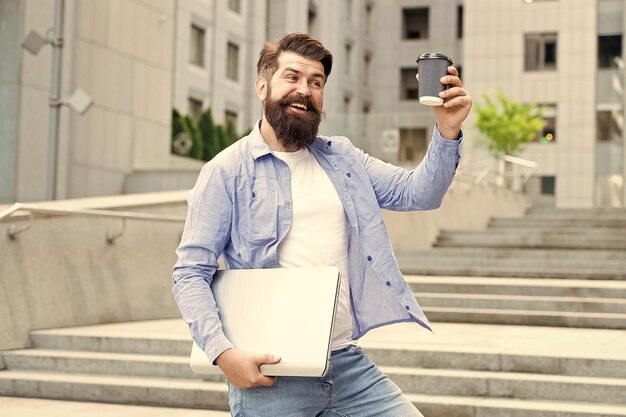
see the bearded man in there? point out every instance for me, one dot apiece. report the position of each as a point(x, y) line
point(284, 196)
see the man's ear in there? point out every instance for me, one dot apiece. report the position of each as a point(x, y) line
point(261, 87)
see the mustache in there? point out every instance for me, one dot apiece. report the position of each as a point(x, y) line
point(298, 99)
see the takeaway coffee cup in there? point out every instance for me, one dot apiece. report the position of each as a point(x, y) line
point(431, 67)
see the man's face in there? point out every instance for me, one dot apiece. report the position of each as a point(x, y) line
point(294, 99)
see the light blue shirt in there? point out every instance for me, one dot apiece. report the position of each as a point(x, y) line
point(241, 207)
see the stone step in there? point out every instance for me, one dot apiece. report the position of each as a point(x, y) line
point(526, 317)
point(518, 253)
point(537, 222)
point(206, 395)
point(201, 394)
point(466, 406)
point(104, 363)
point(115, 389)
point(524, 234)
point(609, 266)
point(595, 212)
point(522, 302)
point(577, 230)
point(486, 359)
point(518, 286)
point(508, 384)
point(159, 366)
point(64, 340)
point(528, 242)
point(530, 271)
point(32, 407)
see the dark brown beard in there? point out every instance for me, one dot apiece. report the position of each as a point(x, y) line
point(293, 130)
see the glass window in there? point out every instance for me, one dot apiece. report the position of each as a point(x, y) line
point(368, 17)
point(540, 52)
point(459, 22)
point(312, 15)
point(232, 62)
point(196, 48)
point(235, 5)
point(348, 58)
point(609, 48)
point(412, 145)
point(415, 23)
point(548, 185)
point(548, 133)
point(409, 89)
point(608, 126)
point(230, 117)
point(194, 108)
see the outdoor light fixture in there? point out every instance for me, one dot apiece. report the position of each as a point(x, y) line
point(79, 100)
point(34, 42)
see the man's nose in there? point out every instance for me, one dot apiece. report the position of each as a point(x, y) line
point(303, 88)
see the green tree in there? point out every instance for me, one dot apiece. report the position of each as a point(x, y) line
point(191, 128)
point(231, 133)
point(177, 126)
point(209, 138)
point(508, 125)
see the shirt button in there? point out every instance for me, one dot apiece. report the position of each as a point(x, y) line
point(388, 283)
point(348, 174)
point(407, 307)
point(369, 258)
point(253, 194)
point(329, 143)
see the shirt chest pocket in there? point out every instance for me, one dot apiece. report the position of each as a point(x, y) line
point(257, 212)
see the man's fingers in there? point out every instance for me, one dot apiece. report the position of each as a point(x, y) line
point(452, 70)
point(261, 359)
point(463, 101)
point(266, 381)
point(453, 92)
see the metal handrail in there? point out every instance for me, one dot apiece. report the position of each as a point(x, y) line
point(124, 215)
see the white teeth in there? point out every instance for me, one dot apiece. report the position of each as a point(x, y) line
point(298, 105)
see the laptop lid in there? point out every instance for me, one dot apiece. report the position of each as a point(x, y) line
point(287, 312)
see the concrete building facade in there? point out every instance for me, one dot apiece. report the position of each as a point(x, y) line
point(564, 56)
point(120, 53)
point(140, 58)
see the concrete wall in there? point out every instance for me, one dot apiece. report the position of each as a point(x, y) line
point(62, 272)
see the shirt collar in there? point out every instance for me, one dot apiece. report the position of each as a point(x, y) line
point(259, 147)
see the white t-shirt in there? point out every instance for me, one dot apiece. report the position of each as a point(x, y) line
point(318, 233)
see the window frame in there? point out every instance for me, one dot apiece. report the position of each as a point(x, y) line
point(542, 40)
point(232, 69)
point(406, 35)
point(194, 48)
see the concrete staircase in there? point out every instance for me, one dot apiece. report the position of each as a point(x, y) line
point(452, 381)
point(530, 316)
point(550, 268)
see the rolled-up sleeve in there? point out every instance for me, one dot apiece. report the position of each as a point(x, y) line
point(206, 233)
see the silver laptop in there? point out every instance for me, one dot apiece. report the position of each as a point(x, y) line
point(287, 312)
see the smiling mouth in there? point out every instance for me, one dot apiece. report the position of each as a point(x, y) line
point(298, 106)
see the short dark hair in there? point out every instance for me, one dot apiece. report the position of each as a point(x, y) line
point(299, 43)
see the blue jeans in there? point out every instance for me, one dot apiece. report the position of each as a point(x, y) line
point(352, 387)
